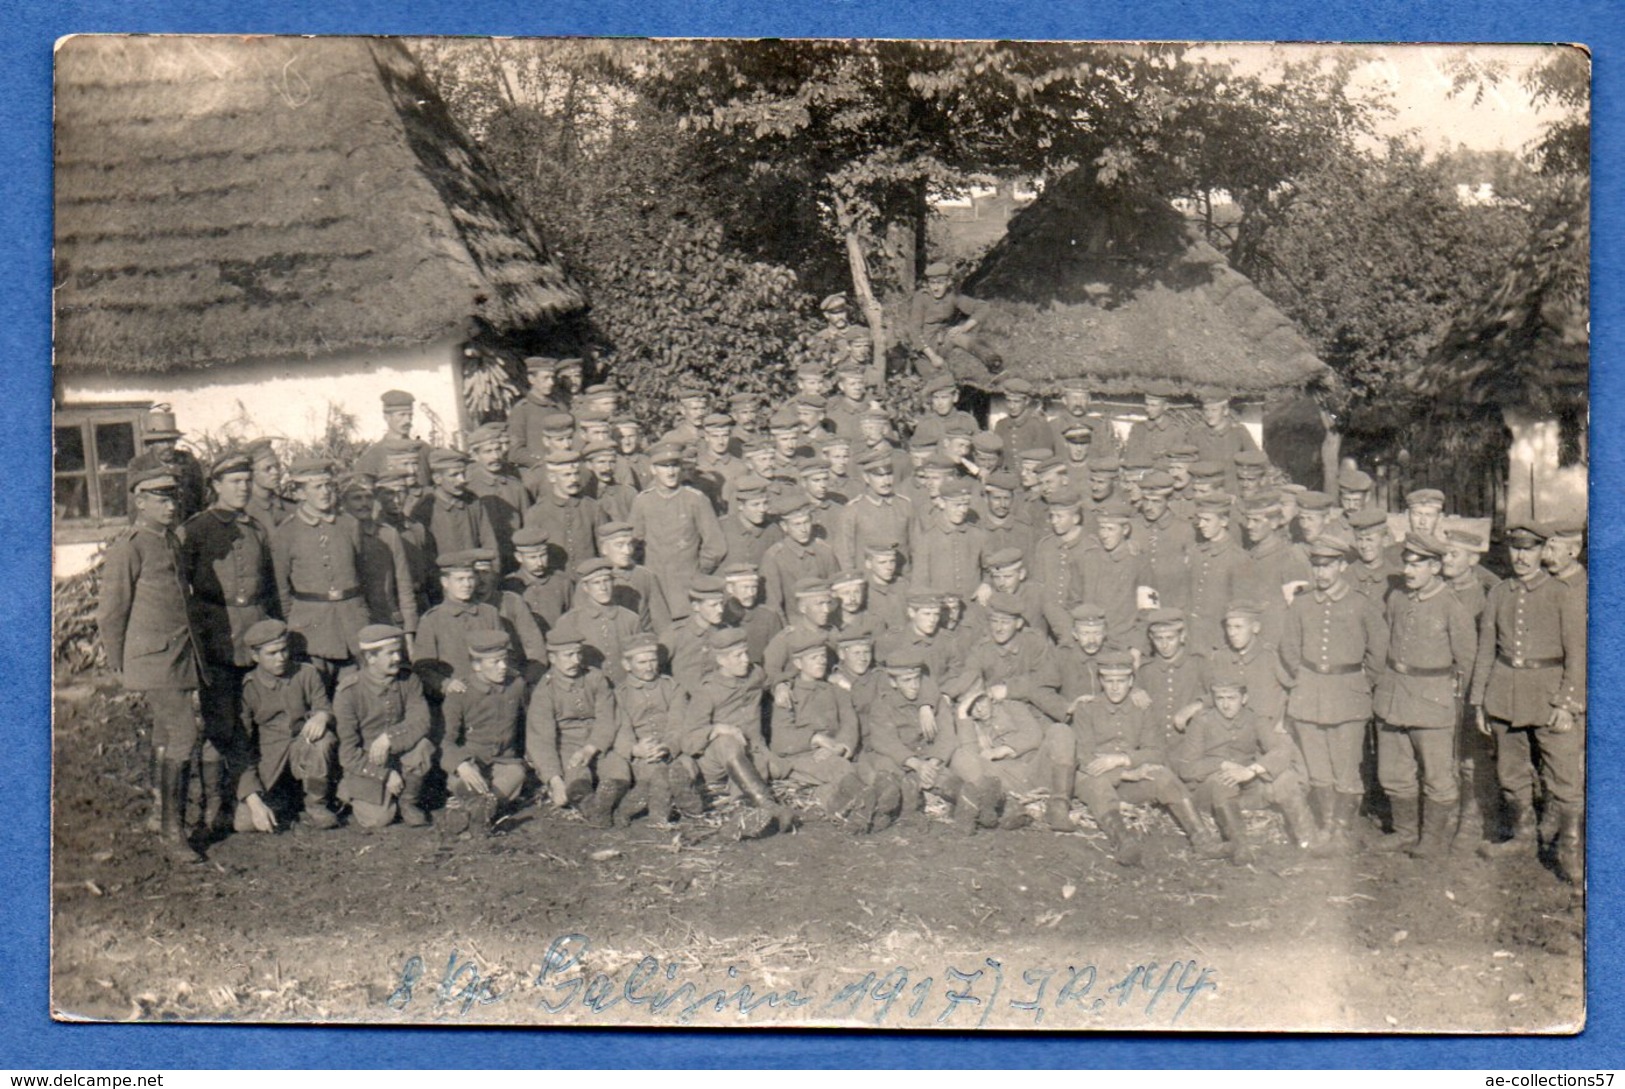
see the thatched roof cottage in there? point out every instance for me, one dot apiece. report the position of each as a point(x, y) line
point(1525, 352)
point(259, 230)
point(1091, 282)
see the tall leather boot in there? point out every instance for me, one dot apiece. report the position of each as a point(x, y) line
point(1323, 804)
point(912, 810)
point(1058, 806)
point(172, 830)
point(685, 793)
point(849, 798)
point(216, 800)
point(990, 799)
point(635, 801)
point(1301, 828)
point(316, 814)
point(966, 804)
point(600, 808)
point(660, 795)
point(888, 804)
point(1522, 840)
point(1204, 842)
point(411, 814)
point(1438, 829)
point(1407, 818)
point(948, 787)
point(1339, 831)
point(1227, 815)
point(1125, 844)
point(577, 787)
point(772, 816)
point(1570, 852)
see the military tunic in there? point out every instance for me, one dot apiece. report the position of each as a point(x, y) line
point(484, 725)
point(226, 559)
point(440, 651)
point(681, 540)
point(505, 499)
point(1216, 579)
point(547, 598)
point(318, 574)
point(274, 712)
point(456, 524)
point(949, 558)
point(567, 713)
point(571, 523)
point(872, 520)
point(1112, 581)
point(816, 707)
point(606, 630)
point(748, 543)
point(1057, 569)
point(363, 710)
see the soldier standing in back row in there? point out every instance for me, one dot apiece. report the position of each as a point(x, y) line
point(1431, 647)
point(374, 460)
point(145, 620)
point(226, 559)
point(318, 559)
point(1529, 693)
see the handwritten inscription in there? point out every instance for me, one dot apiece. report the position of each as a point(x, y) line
point(961, 995)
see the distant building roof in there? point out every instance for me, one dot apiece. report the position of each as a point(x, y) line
point(228, 198)
point(1088, 282)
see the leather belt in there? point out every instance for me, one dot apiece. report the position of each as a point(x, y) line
point(1528, 663)
point(1333, 671)
point(1420, 671)
point(240, 602)
point(330, 595)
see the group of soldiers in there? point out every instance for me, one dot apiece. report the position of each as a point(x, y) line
point(1045, 611)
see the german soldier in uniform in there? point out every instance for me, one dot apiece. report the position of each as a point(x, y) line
point(454, 516)
point(680, 532)
point(484, 727)
point(1529, 694)
point(1333, 647)
point(318, 558)
point(544, 588)
point(1431, 647)
point(568, 516)
point(144, 616)
point(266, 503)
point(158, 451)
point(571, 732)
point(652, 711)
point(382, 722)
point(1121, 758)
point(1234, 759)
point(226, 559)
point(525, 417)
point(496, 485)
point(288, 724)
point(398, 411)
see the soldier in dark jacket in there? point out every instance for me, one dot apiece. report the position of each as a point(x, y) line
point(318, 557)
point(288, 724)
point(382, 722)
point(539, 582)
point(1233, 759)
point(144, 616)
point(571, 732)
point(226, 559)
point(1431, 647)
point(1333, 647)
point(454, 516)
point(485, 722)
point(1529, 694)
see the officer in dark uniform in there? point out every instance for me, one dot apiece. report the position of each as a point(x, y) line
point(144, 616)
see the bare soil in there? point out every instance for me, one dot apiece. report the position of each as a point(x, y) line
point(673, 923)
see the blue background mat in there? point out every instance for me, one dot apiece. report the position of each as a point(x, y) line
point(28, 1039)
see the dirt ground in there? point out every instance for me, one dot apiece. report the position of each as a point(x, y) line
point(552, 922)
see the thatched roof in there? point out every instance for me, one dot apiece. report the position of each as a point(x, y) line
point(227, 198)
point(1119, 289)
point(1528, 343)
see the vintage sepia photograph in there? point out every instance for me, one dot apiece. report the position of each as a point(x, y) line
point(897, 534)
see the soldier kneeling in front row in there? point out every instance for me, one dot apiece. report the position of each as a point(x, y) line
point(289, 721)
point(484, 723)
point(1233, 759)
point(382, 720)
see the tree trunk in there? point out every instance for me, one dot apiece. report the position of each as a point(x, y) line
point(873, 312)
point(1331, 452)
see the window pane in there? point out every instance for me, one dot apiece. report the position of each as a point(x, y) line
point(115, 498)
point(115, 444)
point(70, 449)
point(72, 497)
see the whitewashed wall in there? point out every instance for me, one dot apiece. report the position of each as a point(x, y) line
point(1536, 487)
point(284, 399)
point(289, 399)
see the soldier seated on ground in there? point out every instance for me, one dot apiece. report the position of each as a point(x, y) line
point(1121, 759)
point(1019, 751)
point(908, 732)
point(724, 732)
point(814, 738)
point(484, 720)
point(651, 710)
point(571, 732)
point(1233, 759)
point(289, 724)
point(382, 722)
